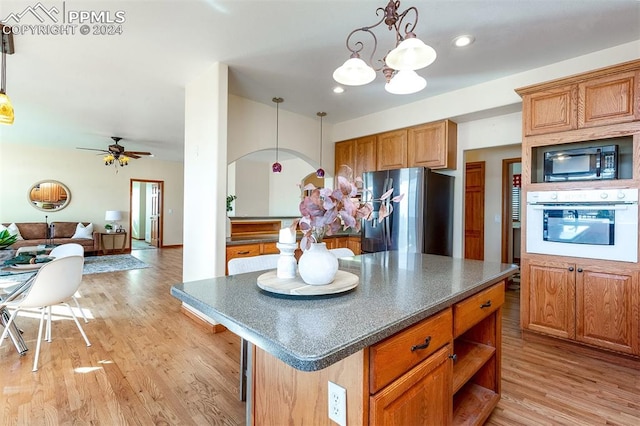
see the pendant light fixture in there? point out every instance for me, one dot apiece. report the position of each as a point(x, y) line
point(409, 53)
point(6, 44)
point(320, 171)
point(277, 167)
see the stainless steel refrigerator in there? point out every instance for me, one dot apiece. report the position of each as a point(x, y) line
point(421, 223)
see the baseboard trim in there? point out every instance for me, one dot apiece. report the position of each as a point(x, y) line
point(212, 328)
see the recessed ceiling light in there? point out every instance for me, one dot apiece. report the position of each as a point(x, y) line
point(338, 89)
point(463, 40)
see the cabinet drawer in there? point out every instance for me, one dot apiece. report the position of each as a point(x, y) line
point(394, 356)
point(243, 251)
point(270, 248)
point(471, 311)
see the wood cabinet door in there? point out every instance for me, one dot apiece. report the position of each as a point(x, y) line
point(421, 396)
point(432, 145)
point(365, 155)
point(552, 110)
point(548, 297)
point(355, 245)
point(607, 309)
point(343, 155)
point(609, 100)
point(392, 150)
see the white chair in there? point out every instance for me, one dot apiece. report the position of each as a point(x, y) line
point(241, 265)
point(54, 283)
point(342, 252)
point(64, 250)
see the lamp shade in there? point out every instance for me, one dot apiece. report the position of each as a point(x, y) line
point(411, 54)
point(405, 83)
point(6, 109)
point(354, 72)
point(113, 215)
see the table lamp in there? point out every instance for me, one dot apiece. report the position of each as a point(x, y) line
point(113, 216)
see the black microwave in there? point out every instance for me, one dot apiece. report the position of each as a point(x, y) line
point(593, 163)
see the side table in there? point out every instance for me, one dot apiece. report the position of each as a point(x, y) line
point(113, 236)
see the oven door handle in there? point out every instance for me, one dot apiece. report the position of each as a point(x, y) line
point(584, 207)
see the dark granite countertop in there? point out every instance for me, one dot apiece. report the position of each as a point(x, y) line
point(396, 290)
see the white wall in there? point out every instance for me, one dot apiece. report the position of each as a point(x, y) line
point(284, 188)
point(252, 127)
point(493, 195)
point(205, 174)
point(95, 188)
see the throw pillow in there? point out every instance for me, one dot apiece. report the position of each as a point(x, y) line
point(13, 230)
point(83, 231)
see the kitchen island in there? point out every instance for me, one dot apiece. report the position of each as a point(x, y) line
point(395, 335)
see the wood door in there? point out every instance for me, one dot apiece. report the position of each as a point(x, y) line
point(474, 210)
point(365, 155)
point(548, 292)
point(609, 100)
point(392, 150)
point(606, 309)
point(155, 214)
point(423, 393)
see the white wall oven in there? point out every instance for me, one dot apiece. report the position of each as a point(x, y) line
point(594, 224)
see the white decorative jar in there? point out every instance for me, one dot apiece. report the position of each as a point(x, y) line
point(317, 265)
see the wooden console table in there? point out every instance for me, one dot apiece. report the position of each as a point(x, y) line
point(103, 248)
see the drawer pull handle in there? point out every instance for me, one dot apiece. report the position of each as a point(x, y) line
point(454, 357)
point(244, 252)
point(425, 345)
point(487, 304)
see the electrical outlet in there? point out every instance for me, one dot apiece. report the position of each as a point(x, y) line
point(338, 404)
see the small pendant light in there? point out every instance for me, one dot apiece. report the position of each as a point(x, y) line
point(277, 167)
point(320, 171)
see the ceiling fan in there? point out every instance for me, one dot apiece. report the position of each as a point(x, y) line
point(117, 152)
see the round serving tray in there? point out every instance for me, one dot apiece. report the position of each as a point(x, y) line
point(344, 281)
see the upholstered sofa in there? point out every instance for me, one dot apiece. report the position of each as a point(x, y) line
point(35, 233)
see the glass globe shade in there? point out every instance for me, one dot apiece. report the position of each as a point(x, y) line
point(405, 83)
point(354, 72)
point(411, 54)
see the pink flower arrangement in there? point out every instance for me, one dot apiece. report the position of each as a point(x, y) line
point(326, 211)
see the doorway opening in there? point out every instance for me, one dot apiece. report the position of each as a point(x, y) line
point(146, 204)
point(511, 214)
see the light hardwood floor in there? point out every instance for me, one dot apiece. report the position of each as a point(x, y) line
point(149, 364)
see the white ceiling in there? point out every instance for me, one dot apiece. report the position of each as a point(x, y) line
point(77, 90)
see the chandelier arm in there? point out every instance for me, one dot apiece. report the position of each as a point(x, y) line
point(3, 71)
point(409, 26)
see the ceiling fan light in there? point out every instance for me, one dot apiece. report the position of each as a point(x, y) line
point(411, 54)
point(405, 82)
point(354, 72)
point(6, 109)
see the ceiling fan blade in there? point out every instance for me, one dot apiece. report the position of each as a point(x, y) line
point(129, 153)
point(93, 149)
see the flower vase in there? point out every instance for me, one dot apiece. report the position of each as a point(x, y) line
point(317, 265)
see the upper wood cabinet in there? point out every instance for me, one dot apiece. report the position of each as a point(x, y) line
point(433, 145)
point(365, 155)
point(609, 100)
point(359, 154)
point(343, 155)
point(392, 150)
point(602, 97)
point(552, 110)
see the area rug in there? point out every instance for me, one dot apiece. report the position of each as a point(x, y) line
point(92, 265)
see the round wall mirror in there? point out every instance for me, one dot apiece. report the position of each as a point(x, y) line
point(49, 195)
